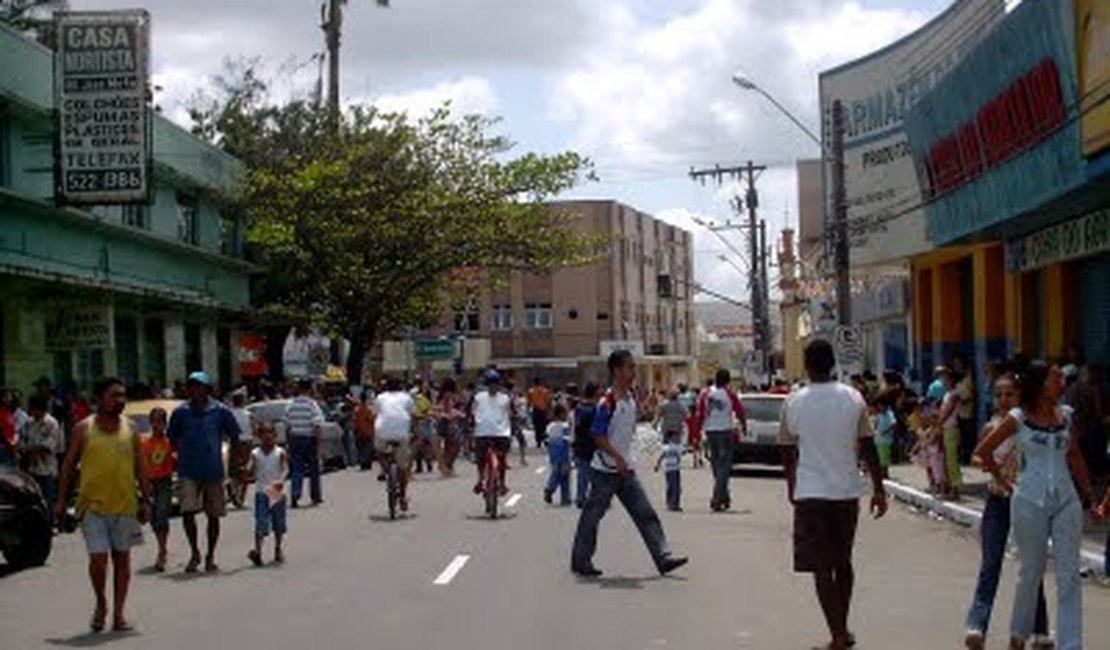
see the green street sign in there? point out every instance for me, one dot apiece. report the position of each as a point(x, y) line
point(434, 349)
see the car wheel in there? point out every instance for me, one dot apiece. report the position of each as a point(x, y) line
point(34, 547)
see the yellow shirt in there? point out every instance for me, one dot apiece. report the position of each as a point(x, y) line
point(107, 484)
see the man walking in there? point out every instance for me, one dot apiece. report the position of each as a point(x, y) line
point(539, 399)
point(303, 420)
point(40, 441)
point(613, 474)
point(198, 428)
point(107, 449)
point(825, 431)
point(717, 408)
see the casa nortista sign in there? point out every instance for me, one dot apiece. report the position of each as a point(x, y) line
point(101, 75)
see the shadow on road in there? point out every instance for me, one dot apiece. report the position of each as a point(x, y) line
point(181, 576)
point(386, 519)
point(758, 472)
point(500, 516)
point(92, 639)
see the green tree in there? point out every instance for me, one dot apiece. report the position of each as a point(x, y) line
point(367, 228)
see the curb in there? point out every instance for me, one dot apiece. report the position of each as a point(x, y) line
point(1089, 560)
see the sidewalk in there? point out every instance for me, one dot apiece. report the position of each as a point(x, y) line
point(908, 484)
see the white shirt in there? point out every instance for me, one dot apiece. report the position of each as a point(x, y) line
point(43, 433)
point(302, 416)
point(620, 427)
point(243, 417)
point(672, 457)
point(826, 420)
point(393, 422)
point(719, 410)
point(492, 415)
point(267, 467)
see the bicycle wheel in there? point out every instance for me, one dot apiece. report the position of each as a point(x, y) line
point(493, 489)
point(394, 489)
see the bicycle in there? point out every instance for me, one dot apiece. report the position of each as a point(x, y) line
point(491, 483)
point(392, 473)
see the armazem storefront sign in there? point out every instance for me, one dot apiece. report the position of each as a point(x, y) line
point(1093, 25)
point(1082, 237)
point(887, 221)
point(101, 76)
point(79, 327)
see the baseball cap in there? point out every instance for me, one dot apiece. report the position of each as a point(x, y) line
point(199, 377)
point(491, 377)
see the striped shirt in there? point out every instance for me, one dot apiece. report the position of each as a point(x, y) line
point(303, 415)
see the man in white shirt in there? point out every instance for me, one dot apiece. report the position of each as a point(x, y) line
point(825, 431)
point(393, 409)
point(721, 414)
point(303, 422)
point(39, 441)
point(613, 474)
point(491, 414)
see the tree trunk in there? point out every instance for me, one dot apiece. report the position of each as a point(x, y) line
point(355, 359)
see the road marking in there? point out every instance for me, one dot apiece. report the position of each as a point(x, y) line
point(452, 570)
point(541, 470)
point(513, 500)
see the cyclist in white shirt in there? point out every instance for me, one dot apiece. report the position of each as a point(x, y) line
point(491, 414)
point(393, 409)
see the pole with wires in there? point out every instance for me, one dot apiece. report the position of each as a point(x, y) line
point(842, 250)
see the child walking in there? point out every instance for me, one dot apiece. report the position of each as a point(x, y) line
point(269, 467)
point(558, 456)
point(161, 461)
point(671, 460)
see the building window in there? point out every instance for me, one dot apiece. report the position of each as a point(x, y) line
point(194, 357)
point(663, 282)
point(135, 215)
point(468, 319)
point(5, 131)
point(502, 318)
point(188, 219)
point(231, 239)
point(603, 315)
point(537, 316)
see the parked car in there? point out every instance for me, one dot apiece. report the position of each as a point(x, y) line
point(331, 447)
point(760, 444)
point(26, 531)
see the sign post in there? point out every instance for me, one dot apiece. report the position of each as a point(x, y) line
point(101, 78)
point(848, 346)
point(435, 349)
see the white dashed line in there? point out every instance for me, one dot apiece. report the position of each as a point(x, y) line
point(513, 500)
point(452, 570)
point(541, 470)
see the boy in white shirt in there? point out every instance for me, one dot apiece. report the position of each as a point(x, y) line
point(269, 467)
point(671, 461)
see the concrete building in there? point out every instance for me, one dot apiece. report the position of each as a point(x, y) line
point(562, 325)
point(147, 292)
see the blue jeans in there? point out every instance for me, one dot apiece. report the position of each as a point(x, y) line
point(1061, 519)
point(350, 452)
point(603, 487)
point(674, 489)
point(49, 487)
point(304, 455)
point(582, 487)
point(560, 479)
point(993, 533)
point(720, 459)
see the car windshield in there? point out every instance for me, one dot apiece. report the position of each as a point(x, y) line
point(269, 411)
point(142, 422)
point(762, 409)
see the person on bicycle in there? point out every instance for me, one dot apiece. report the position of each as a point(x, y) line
point(393, 409)
point(491, 412)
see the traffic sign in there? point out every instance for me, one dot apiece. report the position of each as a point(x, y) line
point(435, 349)
point(848, 344)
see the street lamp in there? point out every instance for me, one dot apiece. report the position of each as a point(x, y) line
point(747, 84)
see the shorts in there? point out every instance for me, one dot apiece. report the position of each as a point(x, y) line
point(268, 517)
point(426, 429)
point(824, 533)
point(500, 444)
point(402, 452)
point(203, 495)
point(161, 499)
point(110, 533)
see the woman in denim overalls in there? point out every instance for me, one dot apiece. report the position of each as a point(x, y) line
point(1045, 504)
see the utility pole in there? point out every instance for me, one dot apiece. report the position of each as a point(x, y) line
point(748, 173)
point(842, 250)
point(331, 15)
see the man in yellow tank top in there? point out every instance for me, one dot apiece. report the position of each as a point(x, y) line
point(112, 497)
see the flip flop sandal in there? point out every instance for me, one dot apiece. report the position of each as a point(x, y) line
point(97, 622)
point(193, 565)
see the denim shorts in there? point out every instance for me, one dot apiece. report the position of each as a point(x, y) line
point(268, 517)
point(110, 533)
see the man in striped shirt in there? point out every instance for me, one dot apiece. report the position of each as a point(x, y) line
point(303, 421)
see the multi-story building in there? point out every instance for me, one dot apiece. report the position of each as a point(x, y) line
point(561, 325)
point(146, 292)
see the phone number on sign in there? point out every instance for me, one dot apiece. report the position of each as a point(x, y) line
point(106, 179)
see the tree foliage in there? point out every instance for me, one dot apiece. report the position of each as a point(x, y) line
point(366, 227)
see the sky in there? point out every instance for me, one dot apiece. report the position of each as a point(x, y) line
point(640, 86)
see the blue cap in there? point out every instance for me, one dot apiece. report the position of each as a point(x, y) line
point(199, 377)
point(491, 377)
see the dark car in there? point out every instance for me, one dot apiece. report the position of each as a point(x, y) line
point(25, 528)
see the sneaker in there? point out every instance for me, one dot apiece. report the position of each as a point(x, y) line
point(974, 640)
point(478, 487)
point(255, 557)
point(547, 496)
point(1041, 642)
point(586, 571)
point(669, 564)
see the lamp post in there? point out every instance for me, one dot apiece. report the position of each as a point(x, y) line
point(840, 212)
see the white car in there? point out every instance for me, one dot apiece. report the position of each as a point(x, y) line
point(331, 443)
point(761, 442)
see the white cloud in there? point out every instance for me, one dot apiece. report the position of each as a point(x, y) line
point(467, 95)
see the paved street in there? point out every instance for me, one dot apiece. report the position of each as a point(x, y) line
point(355, 579)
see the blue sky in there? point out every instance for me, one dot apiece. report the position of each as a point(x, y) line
point(641, 86)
